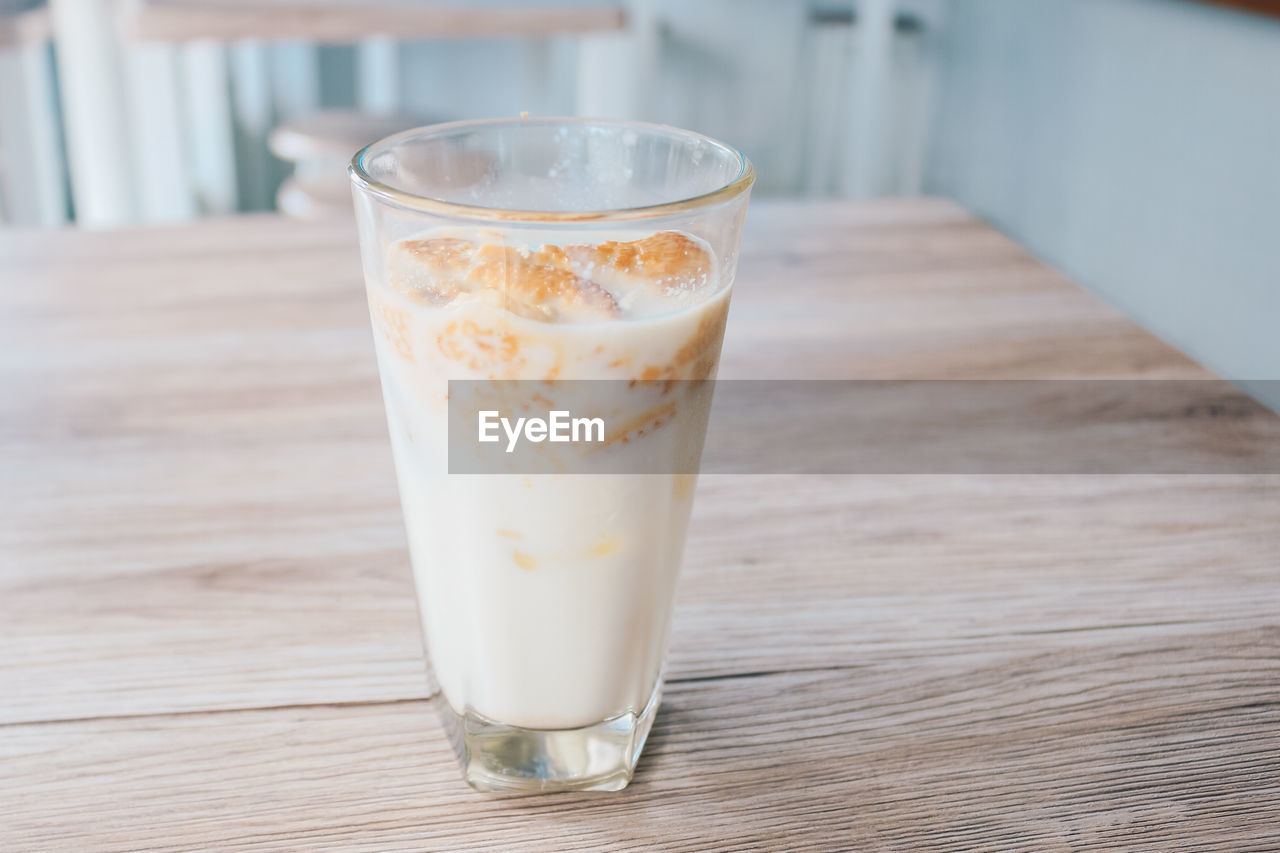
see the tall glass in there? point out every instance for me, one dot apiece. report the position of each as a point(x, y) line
point(548, 250)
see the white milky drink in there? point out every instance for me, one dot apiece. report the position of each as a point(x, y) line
point(522, 255)
point(545, 599)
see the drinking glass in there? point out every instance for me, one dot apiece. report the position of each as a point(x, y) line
point(541, 251)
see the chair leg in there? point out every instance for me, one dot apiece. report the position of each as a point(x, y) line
point(33, 172)
point(616, 69)
point(251, 105)
point(94, 111)
point(378, 77)
point(165, 188)
point(209, 127)
point(295, 78)
point(866, 163)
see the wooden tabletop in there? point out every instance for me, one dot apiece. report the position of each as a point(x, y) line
point(207, 625)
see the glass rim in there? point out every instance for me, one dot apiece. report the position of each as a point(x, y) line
point(361, 178)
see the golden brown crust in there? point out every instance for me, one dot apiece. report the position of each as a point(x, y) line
point(553, 282)
point(666, 258)
point(393, 324)
point(538, 285)
point(450, 254)
point(538, 290)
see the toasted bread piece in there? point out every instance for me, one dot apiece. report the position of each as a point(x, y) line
point(539, 290)
point(439, 269)
point(434, 269)
point(668, 260)
point(577, 283)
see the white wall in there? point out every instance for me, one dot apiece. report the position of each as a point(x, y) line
point(1135, 144)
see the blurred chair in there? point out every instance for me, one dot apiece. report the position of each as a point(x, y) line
point(169, 103)
point(33, 180)
point(320, 145)
point(871, 65)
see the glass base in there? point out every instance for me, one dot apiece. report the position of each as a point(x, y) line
point(598, 757)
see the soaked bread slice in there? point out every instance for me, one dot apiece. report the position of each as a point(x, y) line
point(579, 283)
point(538, 290)
point(668, 261)
point(439, 269)
point(434, 270)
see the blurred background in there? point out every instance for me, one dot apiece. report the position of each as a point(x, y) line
point(1133, 143)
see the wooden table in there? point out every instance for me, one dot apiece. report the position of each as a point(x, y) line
point(207, 625)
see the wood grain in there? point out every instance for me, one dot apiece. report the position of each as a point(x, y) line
point(207, 629)
point(345, 21)
point(1070, 748)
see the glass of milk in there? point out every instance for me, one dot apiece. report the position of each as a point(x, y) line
point(532, 252)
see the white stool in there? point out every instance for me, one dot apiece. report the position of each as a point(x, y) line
point(320, 145)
